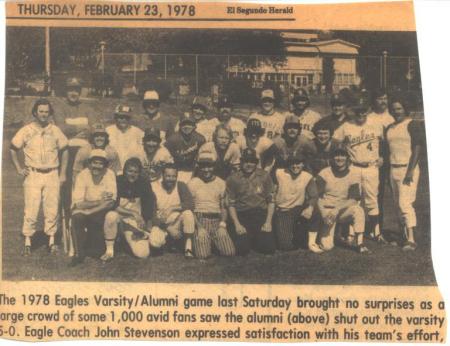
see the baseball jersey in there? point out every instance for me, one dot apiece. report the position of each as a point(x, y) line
point(153, 165)
point(291, 191)
point(384, 119)
point(207, 195)
point(75, 120)
point(362, 141)
point(164, 123)
point(302, 144)
point(335, 188)
point(331, 121)
point(307, 121)
point(86, 190)
point(184, 151)
point(265, 149)
point(84, 152)
point(236, 125)
point(225, 161)
point(401, 138)
point(40, 146)
point(272, 124)
point(127, 143)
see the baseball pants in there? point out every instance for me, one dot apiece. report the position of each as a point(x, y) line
point(211, 235)
point(353, 215)
point(139, 245)
point(252, 220)
point(290, 226)
point(404, 195)
point(179, 223)
point(87, 234)
point(41, 188)
point(370, 182)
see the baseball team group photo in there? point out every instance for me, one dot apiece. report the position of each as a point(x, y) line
point(214, 156)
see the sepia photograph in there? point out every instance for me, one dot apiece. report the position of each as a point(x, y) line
point(214, 156)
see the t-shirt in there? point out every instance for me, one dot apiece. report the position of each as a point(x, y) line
point(168, 202)
point(205, 127)
point(84, 152)
point(291, 191)
point(40, 146)
point(207, 195)
point(153, 166)
point(184, 151)
point(137, 196)
point(236, 125)
point(362, 141)
point(307, 121)
point(225, 161)
point(402, 137)
point(264, 148)
point(272, 124)
point(86, 190)
point(335, 188)
point(320, 155)
point(127, 143)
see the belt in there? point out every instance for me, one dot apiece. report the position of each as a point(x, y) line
point(398, 165)
point(209, 215)
point(42, 170)
point(363, 165)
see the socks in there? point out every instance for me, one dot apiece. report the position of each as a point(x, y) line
point(312, 238)
point(51, 240)
point(110, 246)
point(27, 241)
point(188, 245)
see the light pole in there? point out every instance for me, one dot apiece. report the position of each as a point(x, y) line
point(102, 52)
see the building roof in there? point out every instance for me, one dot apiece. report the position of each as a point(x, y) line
point(336, 46)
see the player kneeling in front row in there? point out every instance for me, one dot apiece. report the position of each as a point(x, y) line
point(208, 192)
point(94, 195)
point(295, 201)
point(174, 206)
point(339, 195)
point(133, 213)
point(251, 206)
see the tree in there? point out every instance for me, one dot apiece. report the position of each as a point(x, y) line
point(328, 73)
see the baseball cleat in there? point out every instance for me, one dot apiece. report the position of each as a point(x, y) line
point(53, 249)
point(409, 246)
point(315, 248)
point(363, 249)
point(188, 254)
point(26, 251)
point(106, 257)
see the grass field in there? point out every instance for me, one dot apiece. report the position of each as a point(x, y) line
point(386, 265)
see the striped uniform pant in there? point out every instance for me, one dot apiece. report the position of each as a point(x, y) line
point(291, 228)
point(211, 235)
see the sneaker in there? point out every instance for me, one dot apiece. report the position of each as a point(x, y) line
point(409, 246)
point(363, 249)
point(315, 248)
point(107, 257)
point(188, 254)
point(53, 249)
point(26, 251)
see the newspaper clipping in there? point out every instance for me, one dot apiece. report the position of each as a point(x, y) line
point(215, 172)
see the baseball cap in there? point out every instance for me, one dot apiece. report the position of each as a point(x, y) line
point(123, 110)
point(254, 126)
point(249, 155)
point(98, 128)
point(300, 95)
point(206, 156)
point(292, 120)
point(186, 119)
point(224, 102)
point(295, 157)
point(151, 95)
point(97, 154)
point(152, 133)
point(359, 103)
point(337, 100)
point(267, 94)
point(73, 82)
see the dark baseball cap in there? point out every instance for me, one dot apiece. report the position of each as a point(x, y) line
point(152, 133)
point(249, 155)
point(254, 127)
point(186, 119)
point(295, 157)
point(300, 95)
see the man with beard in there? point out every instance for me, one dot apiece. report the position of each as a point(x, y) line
point(322, 147)
point(291, 141)
point(124, 137)
point(153, 118)
point(307, 117)
point(94, 194)
point(226, 153)
point(98, 139)
point(133, 213)
point(271, 120)
point(183, 145)
point(225, 117)
point(380, 111)
point(251, 207)
point(337, 116)
point(174, 208)
point(208, 192)
point(155, 155)
point(339, 195)
point(295, 203)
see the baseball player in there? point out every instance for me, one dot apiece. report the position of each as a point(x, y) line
point(155, 155)
point(251, 206)
point(322, 147)
point(307, 117)
point(254, 139)
point(133, 213)
point(225, 117)
point(125, 138)
point(208, 192)
point(226, 153)
point(174, 208)
point(271, 120)
point(337, 116)
point(154, 118)
point(42, 143)
point(183, 145)
point(99, 139)
point(94, 195)
point(405, 139)
point(362, 138)
point(199, 114)
point(380, 111)
point(339, 193)
point(291, 141)
point(295, 205)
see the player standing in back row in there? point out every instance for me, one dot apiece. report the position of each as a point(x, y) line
point(307, 117)
point(271, 120)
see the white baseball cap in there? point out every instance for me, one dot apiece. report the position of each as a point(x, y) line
point(267, 94)
point(97, 153)
point(151, 95)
